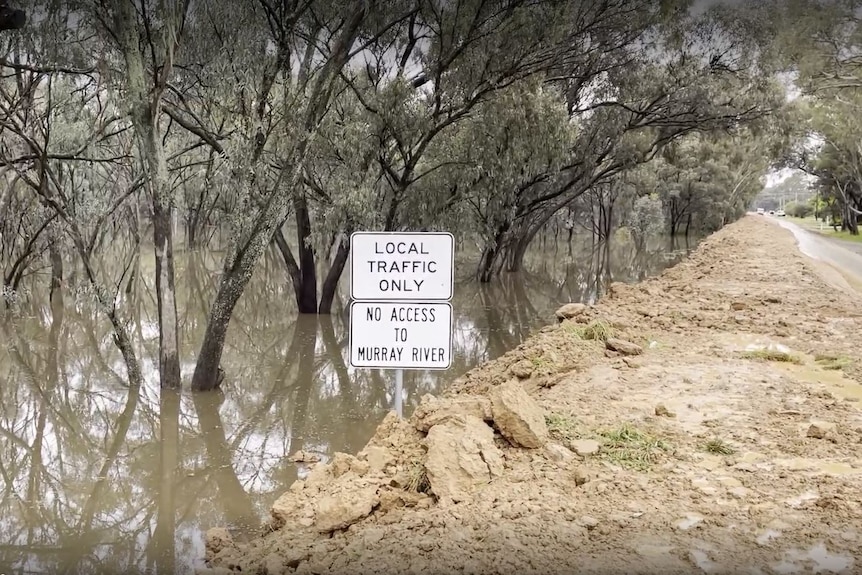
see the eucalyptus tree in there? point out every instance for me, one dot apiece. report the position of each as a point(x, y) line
point(645, 219)
point(147, 36)
point(424, 70)
point(707, 180)
point(457, 121)
point(818, 45)
point(64, 138)
point(645, 76)
point(280, 71)
point(507, 145)
point(698, 76)
point(834, 157)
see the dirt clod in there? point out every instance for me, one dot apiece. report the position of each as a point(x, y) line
point(433, 410)
point(522, 369)
point(341, 511)
point(216, 540)
point(820, 429)
point(570, 310)
point(623, 347)
point(580, 476)
point(461, 457)
point(662, 411)
point(584, 447)
point(518, 417)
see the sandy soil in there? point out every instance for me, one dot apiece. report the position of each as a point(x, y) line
point(731, 444)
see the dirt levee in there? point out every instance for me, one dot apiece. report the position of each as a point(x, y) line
point(707, 420)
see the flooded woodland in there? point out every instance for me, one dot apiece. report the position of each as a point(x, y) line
point(101, 478)
point(179, 180)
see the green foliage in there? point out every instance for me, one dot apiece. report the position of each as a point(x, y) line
point(819, 43)
point(454, 116)
point(646, 218)
point(799, 210)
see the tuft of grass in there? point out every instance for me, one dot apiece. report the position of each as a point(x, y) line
point(630, 447)
point(561, 426)
point(538, 361)
point(832, 362)
point(718, 447)
point(545, 359)
point(417, 478)
point(595, 330)
point(771, 355)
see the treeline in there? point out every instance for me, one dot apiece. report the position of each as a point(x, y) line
point(819, 44)
point(287, 125)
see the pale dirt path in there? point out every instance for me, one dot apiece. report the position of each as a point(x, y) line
point(788, 499)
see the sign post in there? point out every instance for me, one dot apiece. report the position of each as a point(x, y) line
point(400, 316)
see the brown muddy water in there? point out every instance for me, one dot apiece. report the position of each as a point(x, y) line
point(100, 479)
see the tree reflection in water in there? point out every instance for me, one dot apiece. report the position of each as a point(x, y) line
point(99, 477)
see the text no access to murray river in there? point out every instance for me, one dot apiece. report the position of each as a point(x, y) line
point(404, 335)
point(401, 266)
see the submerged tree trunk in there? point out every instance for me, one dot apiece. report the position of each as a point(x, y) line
point(307, 290)
point(303, 274)
point(233, 282)
point(239, 264)
point(169, 360)
point(145, 109)
point(336, 268)
point(491, 253)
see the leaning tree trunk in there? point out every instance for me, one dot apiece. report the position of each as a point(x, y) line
point(239, 265)
point(232, 285)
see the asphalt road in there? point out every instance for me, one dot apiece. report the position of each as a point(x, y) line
point(841, 255)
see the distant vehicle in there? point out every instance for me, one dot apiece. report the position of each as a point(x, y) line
point(771, 212)
point(761, 211)
point(780, 213)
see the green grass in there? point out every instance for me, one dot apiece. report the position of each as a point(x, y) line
point(630, 447)
point(561, 426)
point(832, 362)
point(718, 447)
point(772, 355)
point(813, 225)
point(595, 330)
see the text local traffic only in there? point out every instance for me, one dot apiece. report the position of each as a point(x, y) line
point(401, 335)
point(415, 262)
point(401, 266)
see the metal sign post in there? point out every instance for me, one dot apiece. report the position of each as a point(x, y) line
point(400, 316)
point(399, 393)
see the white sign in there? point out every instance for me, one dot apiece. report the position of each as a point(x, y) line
point(402, 266)
point(407, 335)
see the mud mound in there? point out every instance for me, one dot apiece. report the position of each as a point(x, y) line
point(636, 435)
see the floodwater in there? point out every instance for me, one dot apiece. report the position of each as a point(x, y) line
point(98, 478)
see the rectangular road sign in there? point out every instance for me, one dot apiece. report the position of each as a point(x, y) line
point(402, 266)
point(402, 335)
